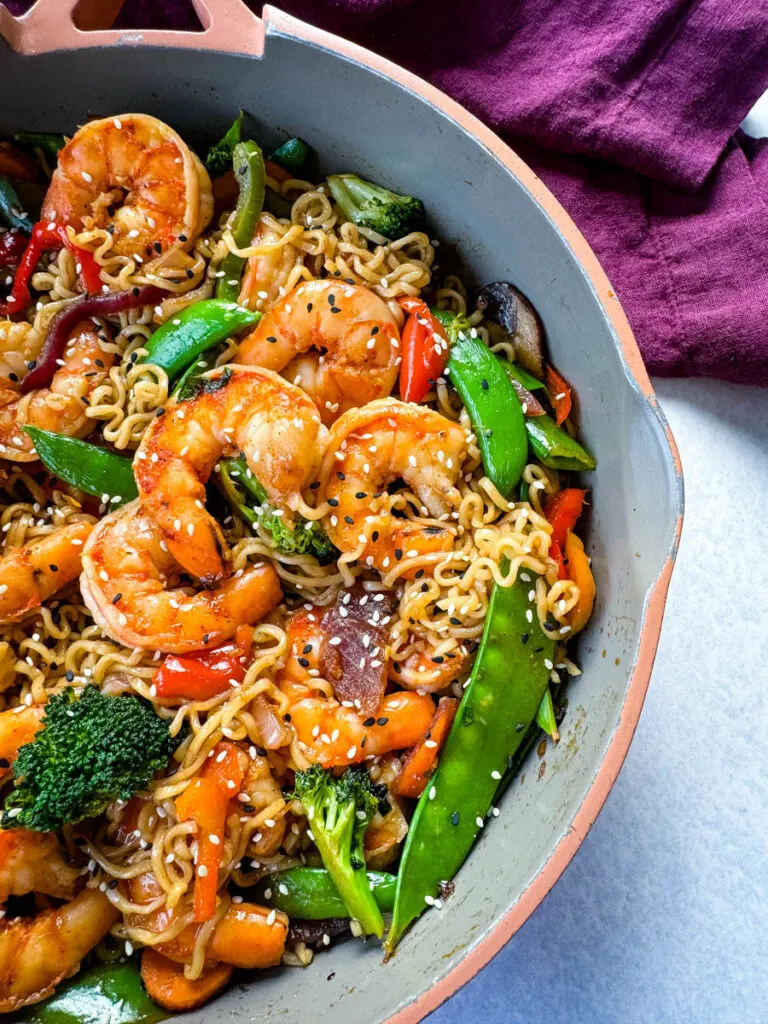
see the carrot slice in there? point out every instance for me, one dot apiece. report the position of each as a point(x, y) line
point(165, 982)
point(421, 762)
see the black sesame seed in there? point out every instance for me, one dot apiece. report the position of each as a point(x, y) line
point(374, 330)
point(206, 637)
point(340, 475)
point(99, 362)
point(333, 502)
point(360, 495)
point(113, 883)
point(117, 598)
point(375, 535)
point(350, 520)
point(424, 588)
point(309, 307)
point(287, 718)
point(419, 574)
point(53, 568)
point(159, 412)
point(363, 741)
point(261, 751)
point(537, 650)
point(14, 377)
point(314, 486)
point(438, 659)
point(182, 238)
point(31, 365)
point(484, 384)
point(396, 667)
point(455, 817)
point(304, 662)
point(69, 676)
point(369, 722)
point(307, 649)
point(335, 309)
point(157, 247)
point(454, 621)
point(524, 638)
point(135, 291)
point(190, 273)
point(271, 339)
point(331, 300)
point(381, 721)
point(249, 808)
point(398, 553)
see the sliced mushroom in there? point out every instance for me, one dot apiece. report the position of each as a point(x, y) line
point(503, 303)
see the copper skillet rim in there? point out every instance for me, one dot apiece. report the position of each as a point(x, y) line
point(279, 23)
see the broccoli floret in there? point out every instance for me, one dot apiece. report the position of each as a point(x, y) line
point(219, 157)
point(339, 812)
point(375, 207)
point(249, 499)
point(90, 751)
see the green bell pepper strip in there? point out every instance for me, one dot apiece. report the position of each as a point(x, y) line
point(508, 681)
point(92, 469)
point(219, 157)
point(248, 164)
point(292, 155)
point(312, 896)
point(493, 407)
point(11, 209)
point(522, 376)
point(109, 992)
point(554, 447)
point(49, 142)
point(180, 340)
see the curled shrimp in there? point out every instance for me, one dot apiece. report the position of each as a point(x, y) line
point(32, 573)
point(267, 272)
point(339, 342)
point(34, 862)
point(37, 953)
point(134, 176)
point(17, 727)
point(238, 409)
point(125, 584)
point(61, 407)
point(429, 669)
point(369, 449)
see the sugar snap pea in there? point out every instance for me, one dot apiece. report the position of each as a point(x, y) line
point(194, 330)
point(556, 448)
point(508, 681)
point(308, 894)
point(94, 470)
point(107, 992)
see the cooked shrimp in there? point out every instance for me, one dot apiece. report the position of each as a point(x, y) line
point(246, 935)
point(368, 449)
point(267, 272)
point(262, 791)
point(29, 575)
point(17, 727)
point(304, 637)
point(136, 177)
point(61, 407)
point(354, 336)
point(333, 735)
point(239, 409)
point(37, 953)
point(125, 583)
point(428, 670)
point(34, 862)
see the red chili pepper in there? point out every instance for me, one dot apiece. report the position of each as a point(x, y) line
point(205, 674)
point(48, 235)
point(206, 801)
point(563, 510)
point(424, 346)
point(559, 395)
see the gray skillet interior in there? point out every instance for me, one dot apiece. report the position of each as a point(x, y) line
point(361, 121)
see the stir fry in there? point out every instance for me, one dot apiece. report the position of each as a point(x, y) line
point(289, 566)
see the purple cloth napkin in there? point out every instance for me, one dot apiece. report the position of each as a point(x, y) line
point(630, 113)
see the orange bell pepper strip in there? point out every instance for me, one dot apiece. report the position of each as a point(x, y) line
point(205, 674)
point(562, 511)
point(559, 392)
point(579, 571)
point(421, 762)
point(276, 172)
point(165, 982)
point(205, 801)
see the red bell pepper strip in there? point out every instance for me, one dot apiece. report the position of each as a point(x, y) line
point(559, 395)
point(425, 350)
point(562, 511)
point(205, 674)
point(421, 762)
point(206, 801)
point(48, 235)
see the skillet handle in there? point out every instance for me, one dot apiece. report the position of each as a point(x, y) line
point(228, 25)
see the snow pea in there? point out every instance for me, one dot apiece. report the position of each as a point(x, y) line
point(308, 894)
point(109, 992)
point(179, 341)
point(508, 681)
point(556, 448)
point(248, 165)
point(11, 208)
point(493, 407)
point(49, 142)
point(94, 470)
